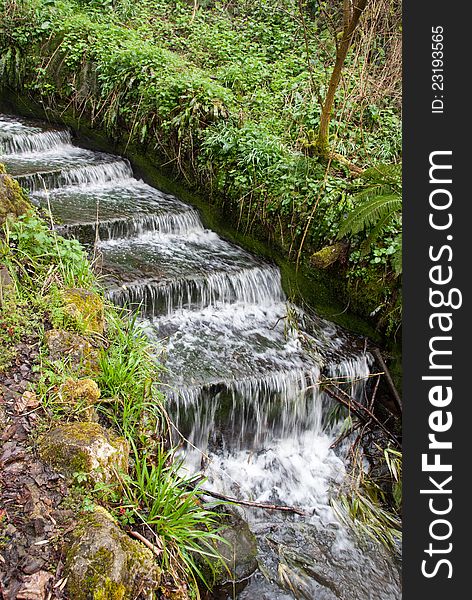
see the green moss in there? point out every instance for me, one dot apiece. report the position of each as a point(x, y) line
point(77, 398)
point(84, 447)
point(13, 201)
point(103, 563)
point(77, 349)
point(85, 309)
point(328, 255)
point(110, 591)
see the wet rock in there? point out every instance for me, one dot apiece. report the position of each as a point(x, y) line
point(327, 562)
point(79, 397)
point(85, 448)
point(77, 348)
point(85, 309)
point(239, 551)
point(13, 201)
point(103, 563)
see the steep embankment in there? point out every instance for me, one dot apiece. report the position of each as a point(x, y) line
point(231, 101)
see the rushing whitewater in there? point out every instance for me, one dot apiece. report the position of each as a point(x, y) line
point(243, 365)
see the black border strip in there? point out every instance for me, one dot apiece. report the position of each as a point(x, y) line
point(437, 230)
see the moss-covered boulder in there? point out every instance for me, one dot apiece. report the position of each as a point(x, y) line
point(78, 397)
point(103, 563)
point(85, 309)
point(77, 349)
point(329, 255)
point(85, 448)
point(13, 201)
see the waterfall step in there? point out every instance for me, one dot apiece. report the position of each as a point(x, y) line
point(240, 342)
point(174, 271)
point(16, 126)
point(38, 177)
point(121, 210)
point(23, 146)
point(163, 297)
point(53, 161)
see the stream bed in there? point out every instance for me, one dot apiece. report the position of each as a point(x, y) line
point(241, 386)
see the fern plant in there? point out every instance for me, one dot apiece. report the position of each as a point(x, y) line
point(377, 206)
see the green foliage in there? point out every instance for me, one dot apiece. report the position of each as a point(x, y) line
point(229, 94)
point(367, 509)
point(170, 504)
point(40, 263)
point(33, 250)
point(377, 209)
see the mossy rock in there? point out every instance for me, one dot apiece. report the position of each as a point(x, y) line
point(13, 201)
point(103, 563)
point(85, 309)
point(79, 397)
point(77, 349)
point(238, 551)
point(6, 284)
point(85, 448)
point(329, 255)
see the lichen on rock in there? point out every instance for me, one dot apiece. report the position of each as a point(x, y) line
point(13, 201)
point(82, 355)
point(85, 309)
point(103, 563)
point(84, 447)
point(78, 397)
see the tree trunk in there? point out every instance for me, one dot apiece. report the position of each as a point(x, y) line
point(351, 16)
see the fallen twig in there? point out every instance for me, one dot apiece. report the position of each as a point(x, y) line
point(283, 508)
point(146, 542)
point(388, 377)
point(359, 410)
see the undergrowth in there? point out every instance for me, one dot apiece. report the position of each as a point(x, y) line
point(230, 95)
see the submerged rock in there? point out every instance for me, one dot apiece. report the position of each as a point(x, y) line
point(85, 448)
point(13, 201)
point(327, 562)
point(85, 309)
point(103, 563)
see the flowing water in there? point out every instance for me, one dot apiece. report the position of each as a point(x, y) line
point(243, 364)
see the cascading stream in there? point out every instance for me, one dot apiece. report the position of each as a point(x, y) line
point(241, 385)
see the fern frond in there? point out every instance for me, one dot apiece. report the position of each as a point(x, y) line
point(369, 213)
point(374, 233)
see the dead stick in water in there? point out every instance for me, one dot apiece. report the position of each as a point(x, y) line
point(388, 377)
point(292, 509)
point(358, 409)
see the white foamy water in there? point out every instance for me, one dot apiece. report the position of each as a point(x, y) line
point(29, 145)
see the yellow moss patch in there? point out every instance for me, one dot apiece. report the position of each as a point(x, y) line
point(328, 255)
point(78, 397)
point(103, 563)
point(13, 201)
point(85, 309)
point(84, 447)
point(65, 345)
